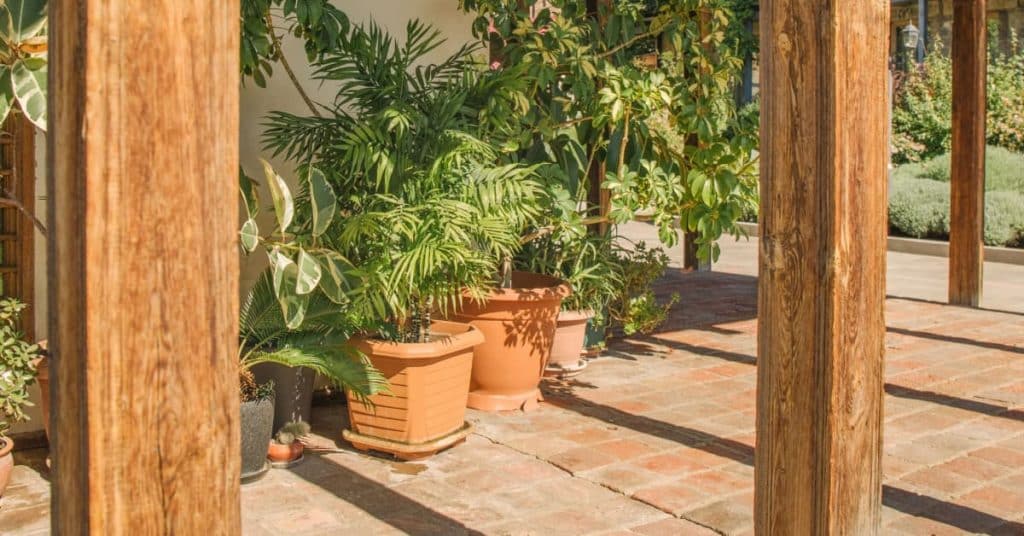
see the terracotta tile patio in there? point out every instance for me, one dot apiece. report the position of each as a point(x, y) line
point(657, 436)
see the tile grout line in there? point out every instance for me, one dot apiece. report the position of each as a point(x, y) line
point(609, 488)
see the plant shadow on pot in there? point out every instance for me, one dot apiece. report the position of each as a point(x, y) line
point(519, 326)
point(293, 391)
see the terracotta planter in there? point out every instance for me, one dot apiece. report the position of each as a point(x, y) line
point(567, 350)
point(426, 407)
point(6, 463)
point(519, 328)
point(278, 453)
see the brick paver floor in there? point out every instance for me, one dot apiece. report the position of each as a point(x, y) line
point(657, 436)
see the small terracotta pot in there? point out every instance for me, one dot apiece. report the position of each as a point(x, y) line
point(567, 349)
point(425, 410)
point(519, 327)
point(6, 463)
point(285, 453)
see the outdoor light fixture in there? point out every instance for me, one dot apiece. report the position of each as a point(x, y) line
point(910, 35)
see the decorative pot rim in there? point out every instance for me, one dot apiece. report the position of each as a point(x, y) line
point(6, 446)
point(576, 316)
point(529, 286)
point(460, 337)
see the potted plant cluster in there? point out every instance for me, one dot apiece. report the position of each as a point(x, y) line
point(430, 213)
point(318, 343)
point(286, 447)
point(472, 193)
point(18, 360)
point(585, 261)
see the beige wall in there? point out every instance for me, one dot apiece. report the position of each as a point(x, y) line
point(256, 102)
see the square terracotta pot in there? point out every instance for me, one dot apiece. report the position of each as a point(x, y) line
point(425, 410)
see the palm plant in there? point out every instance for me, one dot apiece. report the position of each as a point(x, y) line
point(427, 212)
point(319, 343)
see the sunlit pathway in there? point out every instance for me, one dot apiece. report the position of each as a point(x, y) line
point(657, 436)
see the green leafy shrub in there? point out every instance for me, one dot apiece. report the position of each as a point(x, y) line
point(635, 309)
point(1004, 170)
point(667, 130)
point(923, 111)
point(17, 366)
point(1004, 218)
point(919, 207)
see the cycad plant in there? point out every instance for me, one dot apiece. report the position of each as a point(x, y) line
point(427, 213)
point(319, 343)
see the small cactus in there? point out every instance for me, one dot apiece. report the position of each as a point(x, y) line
point(291, 431)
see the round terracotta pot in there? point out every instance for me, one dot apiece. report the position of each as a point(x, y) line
point(518, 324)
point(567, 349)
point(6, 463)
point(277, 452)
point(424, 409)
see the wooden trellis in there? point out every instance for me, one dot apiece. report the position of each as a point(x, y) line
point(17, 233)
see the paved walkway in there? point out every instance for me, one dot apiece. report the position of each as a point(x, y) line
point(656, 437)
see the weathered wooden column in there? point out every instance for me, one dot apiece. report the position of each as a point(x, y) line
point(967, 173)
point(143, 160)
point(822, 267)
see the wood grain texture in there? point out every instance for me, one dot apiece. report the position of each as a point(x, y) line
point(967, 173)
point(822, 267)
point(143, 154)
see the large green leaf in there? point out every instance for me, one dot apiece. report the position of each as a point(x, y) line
point(250, 193)
point(30, 90)
point(324, 202)
point(286, 275)
point(250, 235)
point(6, 93)
point(22, 19)
point(337, 272)
point(284, 204)
point(308, 275)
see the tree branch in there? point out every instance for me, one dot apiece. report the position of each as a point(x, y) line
point(279, 53)
point(8, 200)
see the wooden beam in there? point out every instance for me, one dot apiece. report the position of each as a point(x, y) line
point(967, 174)
point(143, 279)
point(822, 267)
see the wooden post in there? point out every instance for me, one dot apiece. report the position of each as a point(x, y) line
point(143, 162)
point(822, 267)
point(967, 174)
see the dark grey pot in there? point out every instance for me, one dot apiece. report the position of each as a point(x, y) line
point(293, 391)
point(257, 428)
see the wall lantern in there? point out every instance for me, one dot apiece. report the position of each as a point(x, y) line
point(909, 35)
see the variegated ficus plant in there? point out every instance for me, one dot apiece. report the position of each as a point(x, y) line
point(23, 59)
point(293, 315)
point(23, 73)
